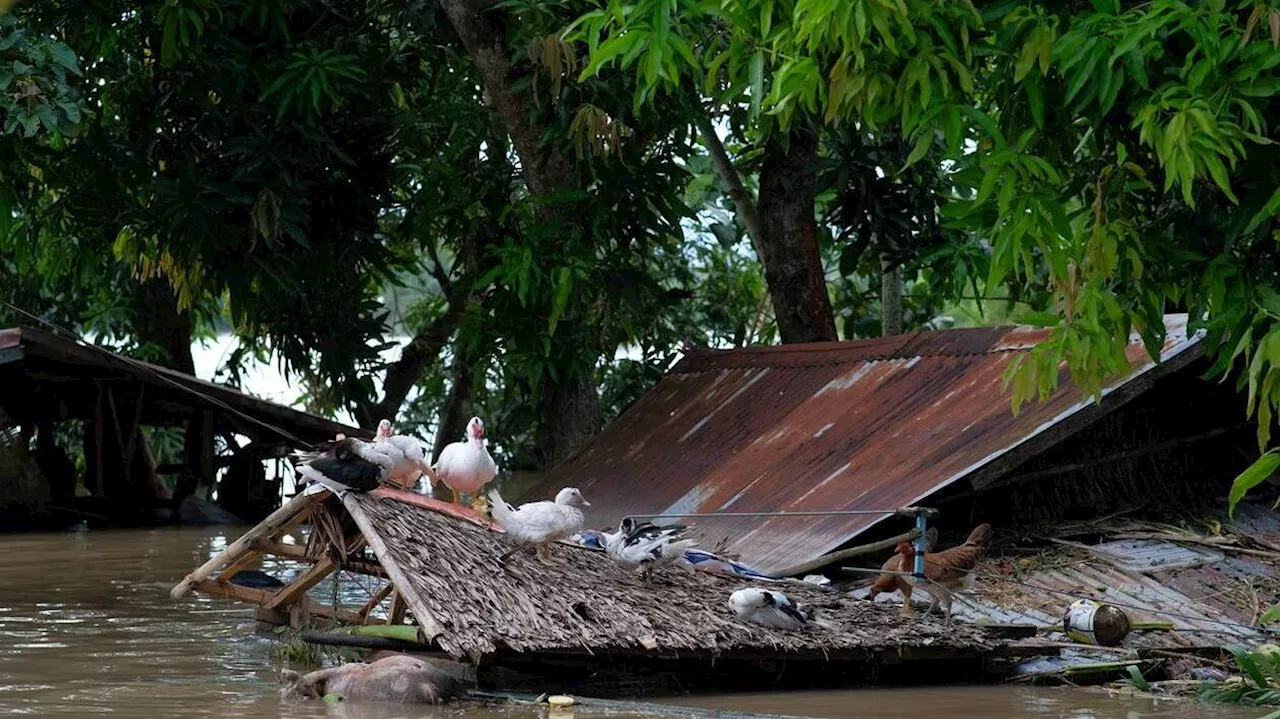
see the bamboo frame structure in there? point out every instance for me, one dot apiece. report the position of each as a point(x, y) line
point(450, 573)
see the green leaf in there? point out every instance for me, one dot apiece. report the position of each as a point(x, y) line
point(755, 75)
point(1271, 616)
point(563, 286)
point(332, 698)
point(1267, 212)
point(1139, 683)
point(1034, 88)
point(923, 143)
point(1256, 474)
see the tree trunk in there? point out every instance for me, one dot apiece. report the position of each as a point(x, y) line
point(890, 297)
point(421, 352)
point(789, 247)
point(453, 416)
point(570, 410)
point(571, 417)
point(162, 324)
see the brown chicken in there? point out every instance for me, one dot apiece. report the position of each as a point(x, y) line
point(947, 571)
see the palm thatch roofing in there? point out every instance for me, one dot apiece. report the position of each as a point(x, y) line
point(468, 603)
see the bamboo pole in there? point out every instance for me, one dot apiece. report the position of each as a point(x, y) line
point(845, 554)
point(298, 587)
point(244, 544)
point(377, 598)
point(427, 624)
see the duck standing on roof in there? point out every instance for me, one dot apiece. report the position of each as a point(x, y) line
point(466, 466)
point(406, 452)
point(646, 545)
point(540, 523)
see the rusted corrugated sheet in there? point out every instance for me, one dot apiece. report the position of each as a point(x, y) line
point(852, 425)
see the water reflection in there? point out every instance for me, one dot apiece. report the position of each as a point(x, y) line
point(87, 629)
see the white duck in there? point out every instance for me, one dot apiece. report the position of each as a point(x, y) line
point(540, 523)
point(769, 608)
point(646, 545)
point(347, 465)
point(406, 452)
point(466, 466)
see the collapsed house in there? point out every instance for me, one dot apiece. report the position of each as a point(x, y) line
point(437, 567)
point(898, 421)
point(105, 400)
point(736, 441)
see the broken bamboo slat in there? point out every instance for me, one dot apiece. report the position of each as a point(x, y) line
point(429, 627)
point(287, 594)
point(845, 554)
point(244, 544)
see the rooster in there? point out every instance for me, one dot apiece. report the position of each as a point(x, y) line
point(891, 580)
point(946, 572)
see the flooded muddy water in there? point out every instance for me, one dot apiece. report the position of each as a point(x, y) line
point(87, 629)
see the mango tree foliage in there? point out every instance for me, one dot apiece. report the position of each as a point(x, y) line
point(1125, 155)
point(1128, 154)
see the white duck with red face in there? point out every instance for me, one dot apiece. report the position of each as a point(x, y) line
point(410, 460)
point(466, 466)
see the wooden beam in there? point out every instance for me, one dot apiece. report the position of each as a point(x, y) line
point(261, 597)
point(287, 594)
point(236, 549)
point(235, 567)
point(427, 625)
point(299, 553)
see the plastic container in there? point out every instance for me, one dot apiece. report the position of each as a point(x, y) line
point(1090, 622)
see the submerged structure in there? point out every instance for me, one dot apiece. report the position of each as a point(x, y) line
point(437, 567)
point(60, 389)
point(782, 457)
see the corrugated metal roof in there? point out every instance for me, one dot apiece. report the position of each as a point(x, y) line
point(868, 424)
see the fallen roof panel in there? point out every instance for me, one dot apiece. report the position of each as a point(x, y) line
point(870, 424)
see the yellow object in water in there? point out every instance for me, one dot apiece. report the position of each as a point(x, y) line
point(560, 700)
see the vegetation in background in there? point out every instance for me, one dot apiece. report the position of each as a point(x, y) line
point(567, 192)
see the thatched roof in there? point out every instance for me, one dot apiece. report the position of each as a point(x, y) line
point(472, 605)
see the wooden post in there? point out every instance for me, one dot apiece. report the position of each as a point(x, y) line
point(396, 616)
point(427, 625)
point(244, 544)
point(99, 485)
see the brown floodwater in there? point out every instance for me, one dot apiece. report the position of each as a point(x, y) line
point(87, 629)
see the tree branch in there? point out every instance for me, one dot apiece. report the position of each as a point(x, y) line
point(742, 200)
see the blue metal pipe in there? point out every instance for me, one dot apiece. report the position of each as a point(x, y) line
point(920, 527)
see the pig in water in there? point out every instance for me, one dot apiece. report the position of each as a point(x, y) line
point(396, 678)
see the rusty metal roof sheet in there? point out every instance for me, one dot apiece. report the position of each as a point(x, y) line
point(867, 424)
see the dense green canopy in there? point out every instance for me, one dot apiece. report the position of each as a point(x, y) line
point(564, 193)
